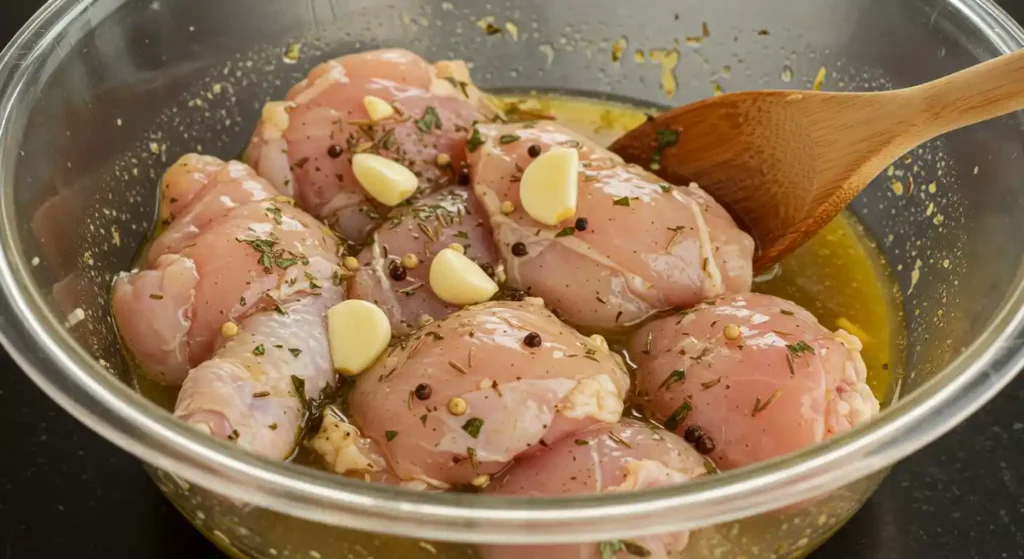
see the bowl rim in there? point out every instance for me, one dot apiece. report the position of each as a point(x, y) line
point(38, 341)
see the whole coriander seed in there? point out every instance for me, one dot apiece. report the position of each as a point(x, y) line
point(423, 391)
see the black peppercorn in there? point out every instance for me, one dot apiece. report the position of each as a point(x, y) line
point(463, 175)
point(532, 340)
point(581, 223)
point(397, 271)
point(334, 151)
point(423, 391)
point(519, 249)
point(533, 150)
point(705, 445)
point(693, 434)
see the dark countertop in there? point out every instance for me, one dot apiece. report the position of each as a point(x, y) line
point(66, 492)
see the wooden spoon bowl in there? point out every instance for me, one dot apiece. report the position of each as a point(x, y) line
point(784, 163)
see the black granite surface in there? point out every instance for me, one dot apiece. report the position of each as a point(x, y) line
point(66, 492)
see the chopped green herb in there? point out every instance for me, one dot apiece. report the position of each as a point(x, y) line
point(259, 350)
point(295, 351)
point(624, 201)
point(241, 301)
point(156, 296)
point(566, 232)
point(610, 548)
point(299, 384)
point(474, 141)
point(473, 426)
point(390, 435)
point(274, 212)
point(581, 442)
point(800, 347)
point(711, 383)
point(666, 188)
point(430, 121)
point(678, 375)
point(759, 407)
point(272, 426)
point(458, 84)
point(619, 440)
point(508, 139)
point(423, 419)
point(786, 312)
point(666, 139)
point(679, 416)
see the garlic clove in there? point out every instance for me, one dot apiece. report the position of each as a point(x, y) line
point(550, 186)
point(358, 332)
point(377, 108)
point(386, 181)
point(457, 280)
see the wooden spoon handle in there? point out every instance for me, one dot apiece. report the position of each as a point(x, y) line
point(981, 92)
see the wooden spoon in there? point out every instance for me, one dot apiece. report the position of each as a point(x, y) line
point(784, 163)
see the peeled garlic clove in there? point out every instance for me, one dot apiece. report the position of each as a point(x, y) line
point(549, 186)
point(388, 182)
point(358, 333)
point(457, 280)
point(377, 108)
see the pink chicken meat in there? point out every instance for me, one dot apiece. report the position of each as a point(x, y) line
point(422, 230)
point(523, 379)
point(626, 456)
point(304, 144)
point(757, 374)
point(248, 289)
point(645, 245)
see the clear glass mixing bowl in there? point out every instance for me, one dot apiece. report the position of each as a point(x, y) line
point(97, 96)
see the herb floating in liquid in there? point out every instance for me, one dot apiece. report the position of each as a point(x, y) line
point(508, 139)
point(259, 350)
point(610, 548)
point(566, 232)
point(390, 435)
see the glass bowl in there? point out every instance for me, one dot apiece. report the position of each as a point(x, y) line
point(98, 96)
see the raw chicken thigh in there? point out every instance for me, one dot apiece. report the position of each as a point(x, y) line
point(305, 144)
point(635, 246)
point(249, 289)
point(256, 258)
point(464, 396)
point(217, 187)
point(391, 280)
point(626, 456)
point(758, 375)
